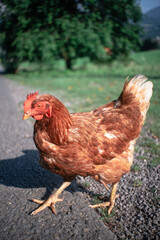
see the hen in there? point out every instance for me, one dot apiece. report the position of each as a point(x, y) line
point(99, 143)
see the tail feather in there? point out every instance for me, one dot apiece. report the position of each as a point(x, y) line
point(137, 91)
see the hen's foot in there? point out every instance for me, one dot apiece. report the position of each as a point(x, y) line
point(106, 204)
point(50, 202)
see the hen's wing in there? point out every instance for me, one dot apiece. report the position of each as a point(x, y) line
point(105, 132)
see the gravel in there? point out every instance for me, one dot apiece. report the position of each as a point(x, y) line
point(136, 214)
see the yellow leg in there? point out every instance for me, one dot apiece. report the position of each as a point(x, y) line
point(51, 201)
point(113, 197)
point(111, 203)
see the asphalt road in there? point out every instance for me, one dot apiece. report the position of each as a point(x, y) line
point(22, 178)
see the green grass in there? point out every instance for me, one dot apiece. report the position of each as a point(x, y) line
point(151, 147)
point(135, 167)
point(103, 211)
point(91, 85)
point(137, 183)
point(155, 161)
point(86, 184)
point(142, 157)
point(150, 144)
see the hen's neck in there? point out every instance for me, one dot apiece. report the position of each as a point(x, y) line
point(56, 127)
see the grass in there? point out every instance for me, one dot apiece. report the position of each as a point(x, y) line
point(91, 85)
point(137, 183)
point(154, 162)
point(103, 211)
point(142, 157)
point(135, 167)
point(152, 148)
point(150, 143)
point(86, 184)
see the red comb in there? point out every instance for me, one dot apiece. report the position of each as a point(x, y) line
point(32, 95)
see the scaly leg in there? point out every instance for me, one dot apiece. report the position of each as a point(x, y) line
point(51, 201)
point(109, 204)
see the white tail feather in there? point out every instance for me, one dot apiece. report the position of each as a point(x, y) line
point(142, 91)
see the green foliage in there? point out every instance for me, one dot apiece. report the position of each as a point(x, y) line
point(42, 31)
point(155, 162)
point(151, 145)
point(135, 167)
point(137, 183)
point(86, 184)
point(82, 38)
point(153, 148)
point(36, 46)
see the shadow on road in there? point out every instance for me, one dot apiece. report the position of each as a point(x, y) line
point(25, 172)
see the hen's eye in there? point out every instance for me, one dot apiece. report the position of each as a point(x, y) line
point(39, 105)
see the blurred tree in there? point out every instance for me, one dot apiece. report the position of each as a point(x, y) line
point(43, 30)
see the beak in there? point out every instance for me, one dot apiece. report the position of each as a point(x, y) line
point(25, 116)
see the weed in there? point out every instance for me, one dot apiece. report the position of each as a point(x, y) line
point(154, 162)
point(153, 189)
point(86, 184)
point(135, 167)
point(143, 157)
point(105, 217)
point(136, 149)
point(95, 200)
point(137, 183)
point(103, 211)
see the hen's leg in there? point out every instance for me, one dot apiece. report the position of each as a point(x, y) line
point(109, 204)
point(51, 201)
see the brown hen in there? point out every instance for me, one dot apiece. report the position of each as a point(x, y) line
point(99, 143)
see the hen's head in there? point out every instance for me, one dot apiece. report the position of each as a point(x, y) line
point(36, 107)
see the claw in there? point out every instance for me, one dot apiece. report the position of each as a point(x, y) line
point(51, 201)
point(106, 204)
point(37, 201)
point(53, 209)
point(112, 204)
